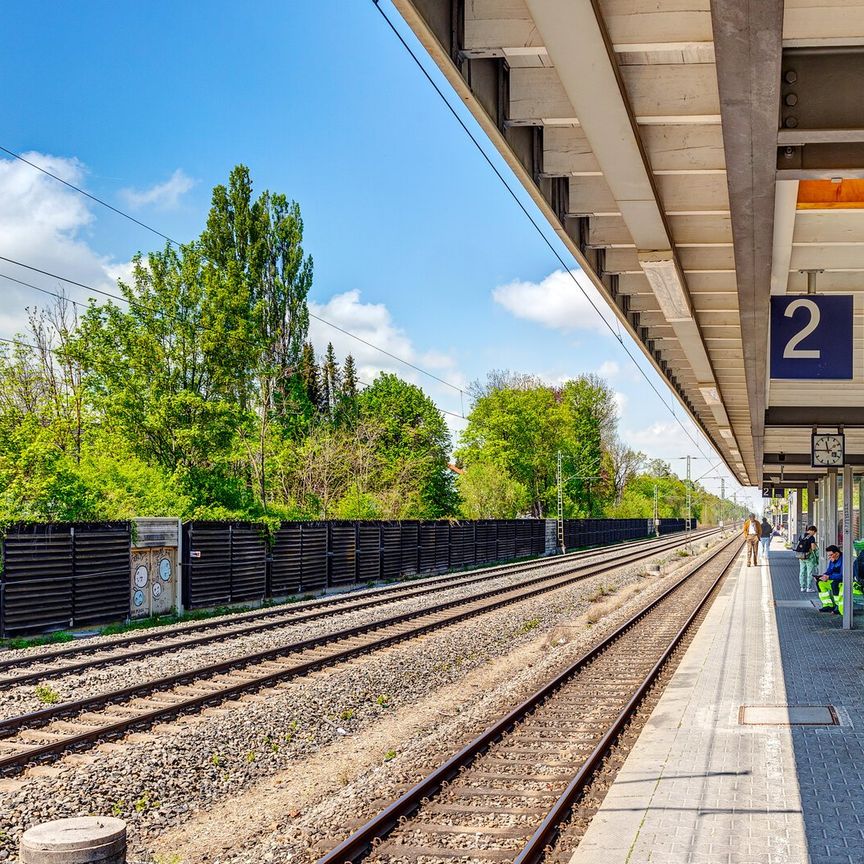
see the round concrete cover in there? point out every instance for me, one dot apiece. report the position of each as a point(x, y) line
point(80, 832)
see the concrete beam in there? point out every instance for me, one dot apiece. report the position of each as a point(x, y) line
point(748, 48)
point(822, 416)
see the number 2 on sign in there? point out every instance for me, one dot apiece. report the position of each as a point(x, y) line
point(792, 351)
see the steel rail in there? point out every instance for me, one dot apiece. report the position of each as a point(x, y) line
point(273, 618)
point(224, 692)
point(168, 641)
point(358, 844)
point(535, 848)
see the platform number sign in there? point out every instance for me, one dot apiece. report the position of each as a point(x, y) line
point(811, 337)
point(773, 492)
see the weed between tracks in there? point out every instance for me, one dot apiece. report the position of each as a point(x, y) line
point(46, 694)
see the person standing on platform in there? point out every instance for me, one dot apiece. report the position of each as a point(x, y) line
point(808, 558)
point(752, 532)
point(767, 530)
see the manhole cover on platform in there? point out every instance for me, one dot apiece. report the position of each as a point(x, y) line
point(794, 604)
point(787, 715)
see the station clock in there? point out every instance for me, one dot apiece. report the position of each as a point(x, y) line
point(828, 450)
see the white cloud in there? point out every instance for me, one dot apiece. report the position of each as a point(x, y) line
point(374, 323)
point(609, 369)
point(557, 302)
point(621, 400)
point(164, 196)
point(43, 224)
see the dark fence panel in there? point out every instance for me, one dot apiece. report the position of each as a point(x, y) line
point(60, 575)
point(37, 579)
point(370, 553)
point(343, 550)
point(248, 562)
point(426, 541)
point(410, 548)
point(506, 537)
point(391, 550)
point(286, 561)
point(100, 588)
point(63, 575)
point(442, 547)
point(579, 533)
point(207, 570)
point(314, 569)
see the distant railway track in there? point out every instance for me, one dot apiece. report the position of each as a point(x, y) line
point(45, 733)
point(504, 796)
point(70, 659)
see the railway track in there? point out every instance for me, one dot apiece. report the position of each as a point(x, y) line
point(504, 796)
point(77, 658)
point(45, 733)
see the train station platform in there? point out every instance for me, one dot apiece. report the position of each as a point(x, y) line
point(755, 752)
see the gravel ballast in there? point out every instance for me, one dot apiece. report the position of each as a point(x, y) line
point(158, 779)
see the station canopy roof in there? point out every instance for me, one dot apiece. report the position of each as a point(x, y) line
point(697, 158)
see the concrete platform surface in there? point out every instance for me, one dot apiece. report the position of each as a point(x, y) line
point(754, 753)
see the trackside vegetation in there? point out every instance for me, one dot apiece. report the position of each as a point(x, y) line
point(198, 394)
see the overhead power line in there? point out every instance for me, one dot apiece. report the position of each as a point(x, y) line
point(158, 233)
point(86, 194)
point(530, 218)
point(136, 304)
point(80, 305)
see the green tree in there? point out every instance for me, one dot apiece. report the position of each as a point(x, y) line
point(256, 246)
point(332, 378)
point(170, 374)
point(349, 378)
point(519, 431)
point(413, 441)
point(487, 492)
point(311, 378)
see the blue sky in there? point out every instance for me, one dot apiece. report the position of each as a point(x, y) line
point(149, 105)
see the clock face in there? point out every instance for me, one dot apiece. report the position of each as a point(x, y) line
point(828, 450)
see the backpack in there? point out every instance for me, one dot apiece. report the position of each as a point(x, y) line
point(802, 549)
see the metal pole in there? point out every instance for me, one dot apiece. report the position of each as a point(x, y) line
point(689, 509)
point(560, 507)
point(656, 511)
point(831, 507)
point(847, 547)
point(722, 499)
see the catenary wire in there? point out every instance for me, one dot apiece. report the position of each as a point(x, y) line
point(530, 218)
point(84, 306)
point(86, 194)
point(158, 233)
point(139, 305)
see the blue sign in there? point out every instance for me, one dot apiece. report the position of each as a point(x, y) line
point(811, 336)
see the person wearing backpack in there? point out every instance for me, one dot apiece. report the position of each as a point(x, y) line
point(808, 558)
point(767, 530)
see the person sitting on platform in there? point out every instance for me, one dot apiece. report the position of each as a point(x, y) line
point(808, 558)
point(831, 582)
point(752, 531)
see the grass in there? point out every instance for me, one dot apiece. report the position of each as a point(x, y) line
point(46, 694)
point(382, 700)
point(145, 802)
point(61, 636)
point(527, 626)
point(347, 714)
point(390, 754)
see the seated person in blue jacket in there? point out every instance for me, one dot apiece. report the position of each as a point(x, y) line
point(834, 573)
